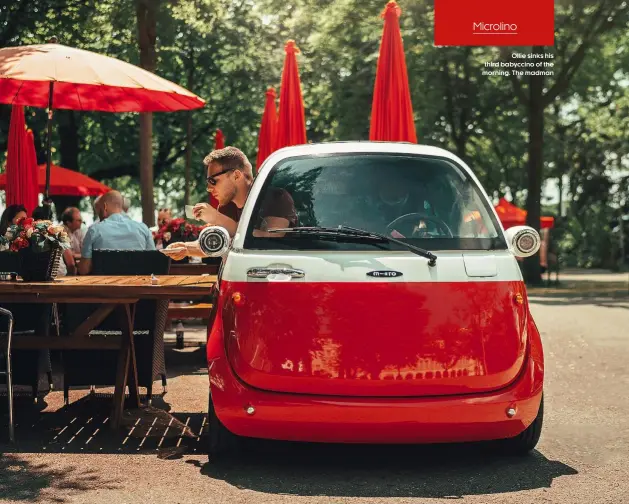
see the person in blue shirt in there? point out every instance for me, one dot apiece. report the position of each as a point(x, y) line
point(114, 231)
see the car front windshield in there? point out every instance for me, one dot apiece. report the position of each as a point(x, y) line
point(426, 201)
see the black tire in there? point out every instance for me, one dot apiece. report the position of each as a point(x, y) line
point(526, 441)
point(221, 442)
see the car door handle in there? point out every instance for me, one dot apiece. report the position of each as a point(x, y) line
point(266, 272)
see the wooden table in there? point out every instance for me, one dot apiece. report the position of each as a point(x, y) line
point(193, 269)
point(117, 294)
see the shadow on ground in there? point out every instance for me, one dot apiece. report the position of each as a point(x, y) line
point(84, 427)
point(446, 471)
point(24, 481)
point(621, 302)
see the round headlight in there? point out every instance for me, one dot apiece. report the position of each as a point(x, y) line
point(214, 241)
point(525, 241)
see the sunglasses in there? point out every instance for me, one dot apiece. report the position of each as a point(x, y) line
point(212, 178)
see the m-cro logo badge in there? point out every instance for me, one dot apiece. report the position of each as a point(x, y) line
point(384, 274)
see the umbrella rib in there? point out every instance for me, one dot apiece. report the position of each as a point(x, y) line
point(175, 96)
point(18, 92)
point(136, 100)
point(78, 95)
point(104, 95)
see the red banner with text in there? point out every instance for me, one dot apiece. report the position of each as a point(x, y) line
point(494, 23)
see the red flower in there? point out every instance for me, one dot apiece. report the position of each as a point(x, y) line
point(19, 243)
point(27, 222)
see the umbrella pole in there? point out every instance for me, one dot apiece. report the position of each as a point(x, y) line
point(48, 144)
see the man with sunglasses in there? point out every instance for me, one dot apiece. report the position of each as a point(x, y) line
point(229, 180)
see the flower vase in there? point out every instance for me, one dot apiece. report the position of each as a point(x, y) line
point(39, 266)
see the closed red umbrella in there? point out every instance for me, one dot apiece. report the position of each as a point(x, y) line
point(268, 128)
point(391, 109)
point(291, 128)
point(219, 143)
point(31, 189)
point(64, 182)
point(21, 165)
point(219, 140)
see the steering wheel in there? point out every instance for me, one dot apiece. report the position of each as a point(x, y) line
point(417, 216)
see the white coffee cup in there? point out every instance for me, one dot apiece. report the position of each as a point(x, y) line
point(190, 212)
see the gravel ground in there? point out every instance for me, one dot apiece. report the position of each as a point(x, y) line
point(581, 458)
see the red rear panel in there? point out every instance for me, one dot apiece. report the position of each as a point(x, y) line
point(376, 339)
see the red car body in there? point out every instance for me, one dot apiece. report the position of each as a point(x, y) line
point(447, 353)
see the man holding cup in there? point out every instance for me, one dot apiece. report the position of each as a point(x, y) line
point(229, 180)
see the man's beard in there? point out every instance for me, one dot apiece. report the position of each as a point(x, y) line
point(227, 198)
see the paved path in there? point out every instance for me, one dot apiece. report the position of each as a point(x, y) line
point(582, 458)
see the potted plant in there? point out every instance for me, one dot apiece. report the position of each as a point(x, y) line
point(39, 245)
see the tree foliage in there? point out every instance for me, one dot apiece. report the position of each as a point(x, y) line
point(229, 52)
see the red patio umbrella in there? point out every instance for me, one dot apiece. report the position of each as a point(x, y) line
point(219, 143)
point(391, 109)
point(219, 140)
point(291, 128)
point(268, 128)
point(31, 198)
point(21, 163)
point(57, 76)
point(510, 215)
point(64, 182)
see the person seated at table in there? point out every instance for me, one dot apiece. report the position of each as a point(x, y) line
point(72, 223)
point(11, 215)
point(164, 216)
point(115, 231)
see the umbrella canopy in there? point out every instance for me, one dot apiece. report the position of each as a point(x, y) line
point(291, 128)
point(84, 80)
point(64, 182)
point(21, 165)
point(219, 140)
point(391, 109)
point(510, 215)
point(57, 76)
point(268, 128)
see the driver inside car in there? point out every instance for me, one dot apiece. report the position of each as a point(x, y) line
point(395, 201)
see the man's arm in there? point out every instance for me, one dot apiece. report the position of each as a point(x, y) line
point(68, 259)
point(209, 214)
point(150, 244)
point(271, 223)
point(230, 224)
point(85, 265)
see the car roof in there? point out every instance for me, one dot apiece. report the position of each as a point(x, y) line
point(359, 147)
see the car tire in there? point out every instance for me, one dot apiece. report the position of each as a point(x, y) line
point(526, 441)
point(221, 442)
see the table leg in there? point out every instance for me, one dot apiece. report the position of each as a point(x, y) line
point(126, 363)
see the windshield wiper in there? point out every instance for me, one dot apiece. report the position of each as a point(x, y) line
point(350, 232)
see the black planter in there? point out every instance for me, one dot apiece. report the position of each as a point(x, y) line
point(36, 266)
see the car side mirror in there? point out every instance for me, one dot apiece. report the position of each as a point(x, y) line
point(214, 241)
point(523, 241)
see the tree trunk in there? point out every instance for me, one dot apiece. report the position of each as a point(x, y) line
point(532, 272)
point(69, 148)
point(189, 132)
point(147, 29)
